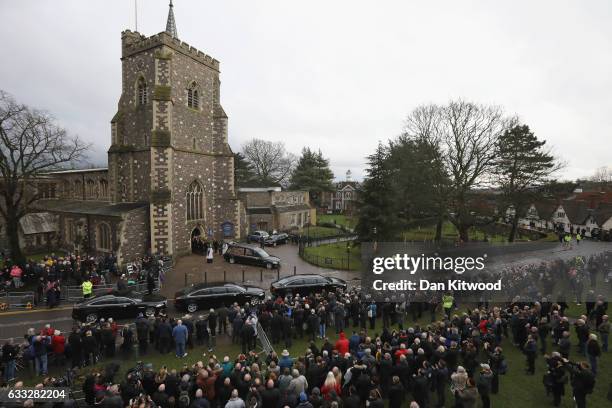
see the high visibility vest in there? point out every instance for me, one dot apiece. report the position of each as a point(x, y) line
point(447, 302)
point(87, 285)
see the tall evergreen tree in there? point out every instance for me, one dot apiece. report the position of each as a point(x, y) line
point(377, 200)
point(243, 172)
point(422, 185)
point(522, 167)
point(312, 173)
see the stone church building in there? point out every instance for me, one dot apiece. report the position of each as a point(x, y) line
point(170, 172)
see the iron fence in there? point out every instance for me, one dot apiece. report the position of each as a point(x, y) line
point(16, 300)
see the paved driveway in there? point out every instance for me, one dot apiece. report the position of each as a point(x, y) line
point(193, 268)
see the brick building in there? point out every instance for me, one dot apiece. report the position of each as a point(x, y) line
point(170, 172)
point(343, 199)
point(270, 208)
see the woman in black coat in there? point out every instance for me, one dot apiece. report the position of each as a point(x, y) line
point(396, 393)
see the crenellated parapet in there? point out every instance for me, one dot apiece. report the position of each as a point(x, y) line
point(134, 43)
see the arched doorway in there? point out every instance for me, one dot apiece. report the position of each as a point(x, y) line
point(196, 242)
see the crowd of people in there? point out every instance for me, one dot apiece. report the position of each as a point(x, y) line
point(461, 352)
point(381, 356)
point(49, 275)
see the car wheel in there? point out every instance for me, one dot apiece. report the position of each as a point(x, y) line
point(192, 307)
point(268, 265)
point(232, 260)
point(150, 312)
point(91, 318)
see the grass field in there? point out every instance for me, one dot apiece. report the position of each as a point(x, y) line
point(334, 256)
point(450, 233)
point(340, 219)
point(316, 231)
point(516, 388)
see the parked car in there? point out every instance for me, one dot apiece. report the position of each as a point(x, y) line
point(250, 255)
point(276, 239)
point(118, 307)
point(306, 284)
point(257, 236)
point(203, 296)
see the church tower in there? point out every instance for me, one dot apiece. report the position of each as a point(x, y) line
point(169, 141)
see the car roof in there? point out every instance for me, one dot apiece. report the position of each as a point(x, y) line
point(294, 277)
point(202, 285)
point(102, 297)
point(237, 244)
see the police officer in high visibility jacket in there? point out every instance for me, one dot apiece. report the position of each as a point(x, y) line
point(87, 288)
point(447, 304)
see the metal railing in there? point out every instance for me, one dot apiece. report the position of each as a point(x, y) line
point(75, 293)
point(16, 300)
point(263, 339)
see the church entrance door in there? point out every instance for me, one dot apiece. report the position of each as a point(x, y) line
point(197, 246)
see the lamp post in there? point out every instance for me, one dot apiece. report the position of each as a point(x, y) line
point(348, 255)
point(375, 240)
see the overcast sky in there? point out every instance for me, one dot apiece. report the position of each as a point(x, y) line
point(335, 75)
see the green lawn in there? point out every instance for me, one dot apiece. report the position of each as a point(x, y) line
point(346, 221)
point(334, 256)
point(516, 388)
point(316, 231)
point(449, 232)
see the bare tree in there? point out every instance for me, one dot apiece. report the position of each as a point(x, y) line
point(602, 174)
point(466, 134)
point(31, 144)
point(469, 134)
point(423, 126)
point(269, 161)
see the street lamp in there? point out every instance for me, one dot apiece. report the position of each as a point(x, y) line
point(348, 255)
point(375, 241)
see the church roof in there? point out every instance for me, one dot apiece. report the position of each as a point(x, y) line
point(79, 170)
point(87, 207)
point(38, 223)
point(291, 208)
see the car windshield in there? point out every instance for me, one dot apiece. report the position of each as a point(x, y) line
point(235, 288)
point(261, 252)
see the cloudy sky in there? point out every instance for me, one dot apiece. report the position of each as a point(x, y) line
point(336, 75)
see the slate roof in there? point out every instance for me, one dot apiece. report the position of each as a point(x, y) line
point(577, 211)
point(291, 208)
point(602, 213)
point(87, 207)
point(38, 223)
point(546, 209)
point(259, 210)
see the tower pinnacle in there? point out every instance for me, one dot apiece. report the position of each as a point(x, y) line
point(171, 24)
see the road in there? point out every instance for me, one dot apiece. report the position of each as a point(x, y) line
point(190, 269)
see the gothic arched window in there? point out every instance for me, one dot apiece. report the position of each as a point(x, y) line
point(104, 241)
point(195, 202)
point(103, 188)
point(193, 96)
point(141, 91)
point(90, 191)
point(78, 193)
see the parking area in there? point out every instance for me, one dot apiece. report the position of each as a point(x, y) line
point(194, 269)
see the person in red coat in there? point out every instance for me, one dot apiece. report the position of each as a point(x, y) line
point(342, 345)
point(330, 385)
point(58, 345)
